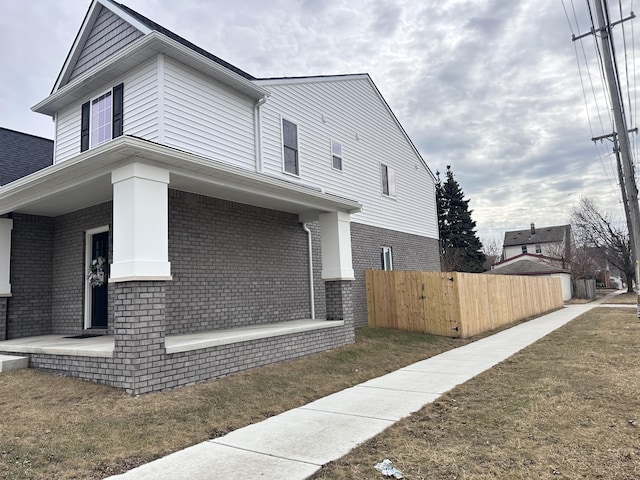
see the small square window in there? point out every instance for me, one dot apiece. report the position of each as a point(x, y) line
point(388, 175)
point(336, 155)
point(386, 257)
point(290, 147)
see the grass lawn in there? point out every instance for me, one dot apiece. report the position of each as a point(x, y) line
point(624, 298)
point(566, 407)
point(54, 427)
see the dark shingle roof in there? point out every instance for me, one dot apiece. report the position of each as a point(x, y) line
point(526, 267)
point(159, 28)
point(22, 154)
point(542, 235)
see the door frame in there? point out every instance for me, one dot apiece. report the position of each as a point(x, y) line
point(88, 254)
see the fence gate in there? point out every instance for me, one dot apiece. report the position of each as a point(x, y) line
point(456, 304)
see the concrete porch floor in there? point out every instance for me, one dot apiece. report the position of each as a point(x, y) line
point(103, 346)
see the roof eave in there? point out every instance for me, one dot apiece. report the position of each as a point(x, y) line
point(185, 168)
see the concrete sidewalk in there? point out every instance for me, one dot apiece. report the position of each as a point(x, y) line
point(296, 443)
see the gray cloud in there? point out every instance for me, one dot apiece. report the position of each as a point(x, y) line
point(490, 87)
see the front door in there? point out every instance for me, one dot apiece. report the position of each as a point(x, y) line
point(98, 276)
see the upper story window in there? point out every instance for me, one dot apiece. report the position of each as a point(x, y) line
point(524, 249)
point(388, 175)
point(538, 248)
point(101, 118)
point(290, 147)
point(336, 155)
point(386, 258)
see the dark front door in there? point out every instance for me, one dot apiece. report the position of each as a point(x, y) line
point(100, 255)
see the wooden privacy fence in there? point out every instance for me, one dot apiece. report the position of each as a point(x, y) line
point(456, 304)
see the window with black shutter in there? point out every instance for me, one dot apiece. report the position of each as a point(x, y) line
point(102, 118)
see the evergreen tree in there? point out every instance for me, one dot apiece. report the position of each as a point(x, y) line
point(460, 248)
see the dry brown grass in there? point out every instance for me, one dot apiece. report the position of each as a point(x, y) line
point(566, 407)
point(624, 298)
point(61, 428)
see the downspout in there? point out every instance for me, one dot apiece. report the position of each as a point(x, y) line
point(311, 295)
point(257, 125)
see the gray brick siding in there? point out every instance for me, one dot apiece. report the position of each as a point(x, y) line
point(69, 269)
point(29, 307)
point(188, 368)
point(410, 252)
point(3, 318)
point(233, 265)
point(141, 365)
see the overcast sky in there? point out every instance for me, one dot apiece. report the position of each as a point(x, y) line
point(490, 87)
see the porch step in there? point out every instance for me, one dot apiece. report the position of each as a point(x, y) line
point(11, 362)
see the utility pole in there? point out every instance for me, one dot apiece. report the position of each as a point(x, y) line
point(623, 137)
point(625, 201)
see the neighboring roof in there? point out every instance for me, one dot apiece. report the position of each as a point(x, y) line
point(542, 235)
point(22, 154)
point(526, 267)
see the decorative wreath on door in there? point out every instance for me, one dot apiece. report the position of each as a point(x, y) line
point(96, 273)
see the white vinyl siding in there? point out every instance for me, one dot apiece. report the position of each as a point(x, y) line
point(207, 118)
point(140, 114)
point(552, 249)
point(351, 110)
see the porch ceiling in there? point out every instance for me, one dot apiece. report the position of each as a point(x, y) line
point(85, 180)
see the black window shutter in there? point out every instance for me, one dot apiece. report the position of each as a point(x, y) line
point(84, 128)
point(118, 91)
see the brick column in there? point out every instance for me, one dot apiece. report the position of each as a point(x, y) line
point(139, 331)
point(339, 297)
point(3, 318)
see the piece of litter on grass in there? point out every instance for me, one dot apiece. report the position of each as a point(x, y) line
point(387, 470)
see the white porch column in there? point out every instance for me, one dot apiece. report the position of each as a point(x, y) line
point(6, 225)
point(140, 224)
point(335, 241)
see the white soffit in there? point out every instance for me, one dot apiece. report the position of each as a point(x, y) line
point(85, 180)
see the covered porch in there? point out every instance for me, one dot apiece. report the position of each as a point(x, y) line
point(135, 195)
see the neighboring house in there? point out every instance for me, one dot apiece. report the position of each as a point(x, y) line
point(552, 242)
point(189, 198)
point(535, 265)
point(538, 251)
point(22, 154)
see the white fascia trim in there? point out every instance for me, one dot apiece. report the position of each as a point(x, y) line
point(319, 79)
point(125, 16)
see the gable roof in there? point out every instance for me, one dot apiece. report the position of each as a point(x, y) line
point(130, 26)
point(526, 267)
point(543, 235)
point(22, 154)
point(159, 28)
